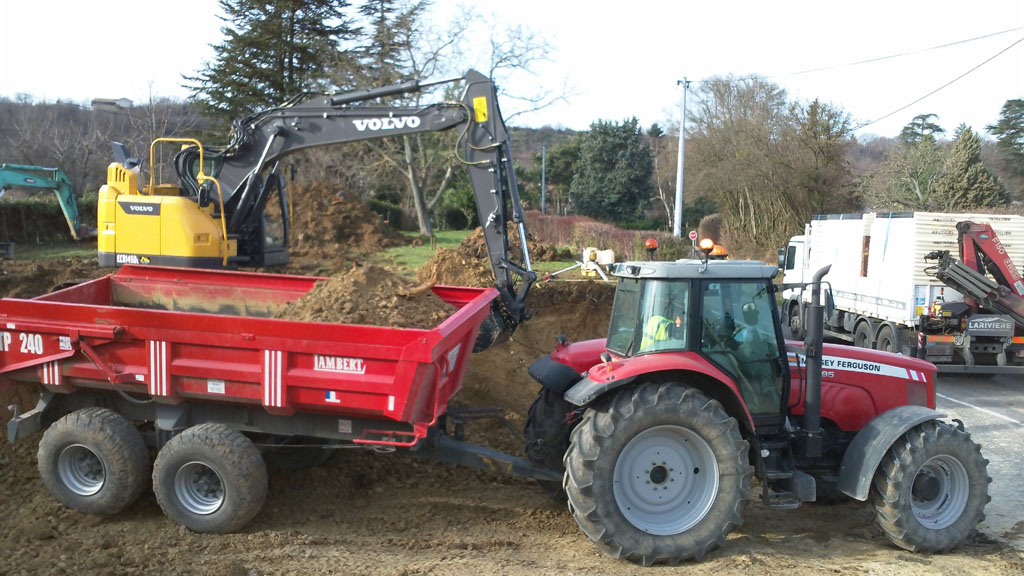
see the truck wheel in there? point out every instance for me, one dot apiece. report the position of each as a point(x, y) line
point(931, 488)
point(657, 474)
point(547, 433)
point(862, 335)
point(94, 461)
point(796, 325)
point(888, 341)
point(210, 478)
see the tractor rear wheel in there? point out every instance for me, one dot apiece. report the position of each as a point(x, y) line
point(547, 436)
point(931, 488)
point(94, 461)
point(210, 478)
point(657, 474)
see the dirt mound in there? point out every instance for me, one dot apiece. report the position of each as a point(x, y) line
point(31, 278)
point(370, 295)
point(469, 264)
point(327, 225)
point(474, 246)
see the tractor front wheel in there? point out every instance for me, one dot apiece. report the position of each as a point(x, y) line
point(657, 474)
point(931, 488)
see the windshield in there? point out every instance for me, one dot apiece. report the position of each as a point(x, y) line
point(649, 316)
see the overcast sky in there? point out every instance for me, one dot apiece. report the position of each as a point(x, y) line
point(620, 59)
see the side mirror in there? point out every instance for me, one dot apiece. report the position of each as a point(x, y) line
point(782, 258)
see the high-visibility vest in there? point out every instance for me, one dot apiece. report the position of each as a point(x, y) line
point(656, 330)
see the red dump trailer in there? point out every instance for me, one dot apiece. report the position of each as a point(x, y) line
point(191, 363)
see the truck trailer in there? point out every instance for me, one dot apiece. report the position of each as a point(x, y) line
point(881, 287)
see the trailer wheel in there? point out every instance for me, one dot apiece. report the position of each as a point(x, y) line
point(657, 474)
point(547, 433)
point(888, 341)
point(796, 327)
point(931, 488)
point(94, 461)
point(210, 478)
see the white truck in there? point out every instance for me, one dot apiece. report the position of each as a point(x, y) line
point(883, 297)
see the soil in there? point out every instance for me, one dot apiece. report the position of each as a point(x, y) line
point(366, 512)
point(370, 295)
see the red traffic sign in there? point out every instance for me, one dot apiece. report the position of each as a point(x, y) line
point(693, 234)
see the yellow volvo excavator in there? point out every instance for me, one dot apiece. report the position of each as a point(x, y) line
point(214, 216)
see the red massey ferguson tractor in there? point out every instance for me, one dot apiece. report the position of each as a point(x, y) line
point(661, 426)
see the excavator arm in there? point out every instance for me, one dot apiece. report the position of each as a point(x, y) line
point(55, 179)
point(246, 170)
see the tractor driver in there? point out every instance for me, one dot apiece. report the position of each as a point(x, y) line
point(665, 326)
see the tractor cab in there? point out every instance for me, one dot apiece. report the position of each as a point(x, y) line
point(725, 313)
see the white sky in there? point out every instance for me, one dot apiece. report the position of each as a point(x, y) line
point(622, 59)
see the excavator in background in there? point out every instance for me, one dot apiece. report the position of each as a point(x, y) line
point(41, 177)
point(985, 328)
point(215, 215)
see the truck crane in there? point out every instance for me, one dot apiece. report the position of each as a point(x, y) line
point(985, 329)
point(214, 216)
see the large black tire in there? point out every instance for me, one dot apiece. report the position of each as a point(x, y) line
point(94, 461)
point(210, 478)
point(699, 462)
point(930, 490)
point(796, 323)
point(547, 433)
point(888, 341)
point(862, 336)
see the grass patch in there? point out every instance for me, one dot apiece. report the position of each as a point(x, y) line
point(53, 251)
point(412, 257)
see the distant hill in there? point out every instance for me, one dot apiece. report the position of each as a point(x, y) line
point(527, 142)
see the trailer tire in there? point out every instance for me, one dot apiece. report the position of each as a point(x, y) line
point(94, 461)
point(691, 441)
point(930, 489)
point(210, 478)
point(547, 433)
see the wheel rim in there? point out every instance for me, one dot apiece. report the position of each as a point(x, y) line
point(81, 470)
point(199, 488)
point(794, 322)
point(665, 480)
point(939, 492)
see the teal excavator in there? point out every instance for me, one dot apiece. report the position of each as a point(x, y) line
point(21, 176)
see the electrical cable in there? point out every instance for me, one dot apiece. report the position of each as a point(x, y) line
point(947, 84)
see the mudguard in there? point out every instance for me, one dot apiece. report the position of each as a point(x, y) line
point(872, 442)
point(553, 375)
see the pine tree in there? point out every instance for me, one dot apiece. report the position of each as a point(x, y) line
point(272, 50)
point(965, 183)
point(613, 175)
point(1009, 133)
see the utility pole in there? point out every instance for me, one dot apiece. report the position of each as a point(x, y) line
point(543, 176)
point(677, 226)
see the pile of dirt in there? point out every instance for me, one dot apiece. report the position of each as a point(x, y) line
point(31, 278)
point(370, 295)
point(329, 226)
point(470, 265)
point(474, 246)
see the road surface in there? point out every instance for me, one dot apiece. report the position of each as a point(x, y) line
point(992, 409)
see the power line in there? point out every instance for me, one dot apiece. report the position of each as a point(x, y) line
point(901, 54)
point(947, 84)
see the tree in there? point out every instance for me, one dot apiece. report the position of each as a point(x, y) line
point(273, 50)
point(919, 128)
point(906, 180)
point(613, 178)
point(965, 183)
point(821, 135)
point(1009, 133)
point(664, 153)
